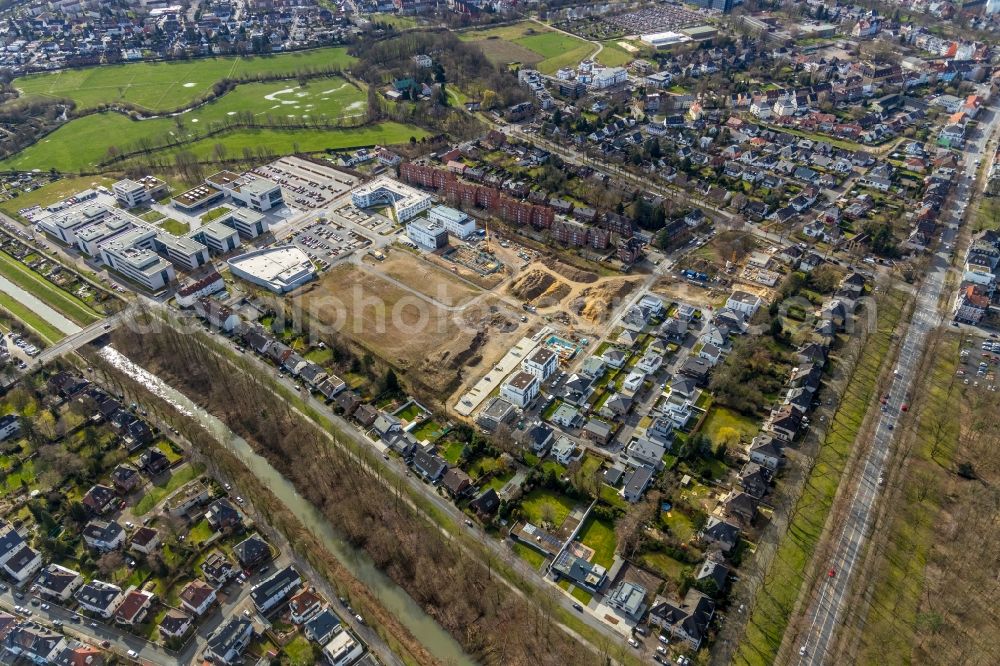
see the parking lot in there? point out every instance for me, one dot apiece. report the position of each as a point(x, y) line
point(306, 185)
point(325, 242)
point(658, 19)
point(376, 223)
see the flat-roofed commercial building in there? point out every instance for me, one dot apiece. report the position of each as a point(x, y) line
point(426, 233)
point(132, 193)
point(66, 225)
point(405, 200)
point(456, 222)
point(140, 265)
point(218, 237)
point(254, 192)
point(197, 197)
point(183, 251)
point(89, 240)
point(248, 223)
point(279, 269)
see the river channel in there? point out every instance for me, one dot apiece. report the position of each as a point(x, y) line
point(430, 634)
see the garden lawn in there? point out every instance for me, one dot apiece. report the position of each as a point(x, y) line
point(202, 531)
point(452, 452)
point(163, 487)
point(720, 417)
point(533, 503)
point(599, 535)
point(428, 430)
point(529, 555)
point(167, 450)
point(299, 651)
point(65, 303)
point(163, 86)
point(665, 565)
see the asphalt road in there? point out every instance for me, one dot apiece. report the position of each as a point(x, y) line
point(825, 612)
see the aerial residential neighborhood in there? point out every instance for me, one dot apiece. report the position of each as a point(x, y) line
point(498, 333)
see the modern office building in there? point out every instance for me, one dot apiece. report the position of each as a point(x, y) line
point(132, 193)
point(140, 265)
point(455, 222)
point(254, 192)
point(405, 200)
point(428, 234)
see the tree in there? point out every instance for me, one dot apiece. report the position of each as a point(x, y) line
point(110, 562)
point(777, 330)
point(727, 436)
point(392, 382)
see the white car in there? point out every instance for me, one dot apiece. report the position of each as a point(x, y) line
point(132, 654)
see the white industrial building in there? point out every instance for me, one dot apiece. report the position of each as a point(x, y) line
point(407, 201)
point(426, 233)
point(279, 269)
point(664, 40)
point(455, 222)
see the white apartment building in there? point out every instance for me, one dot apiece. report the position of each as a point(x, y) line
point(608, 77)
point(520, 389)
point(542, 363)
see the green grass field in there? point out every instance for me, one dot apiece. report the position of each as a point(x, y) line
point(539, 503)
point(64, 302)
point(84, 142)
point(29, 318)
point(615, 55)
point(599, 535)
point(786, 575)
point(912, 531)
point(720, 417)
point(164, 86)
point(175, 227)
point(52, 192)
point(309, 141)
point(553, 50)
point(163, 487)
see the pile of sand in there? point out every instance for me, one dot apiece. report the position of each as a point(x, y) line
point(595, 304)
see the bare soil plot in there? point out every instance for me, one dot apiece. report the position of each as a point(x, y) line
point(596, 303)
point(427, 278)
point(432, 345)
point(539, 288)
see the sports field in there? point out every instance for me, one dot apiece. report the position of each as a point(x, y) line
point(84, 142)
point(532, 44)
point(164, 86)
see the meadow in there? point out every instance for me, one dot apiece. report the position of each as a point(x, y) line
point(83, 143)
point(164, 86)
point(532, 44)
